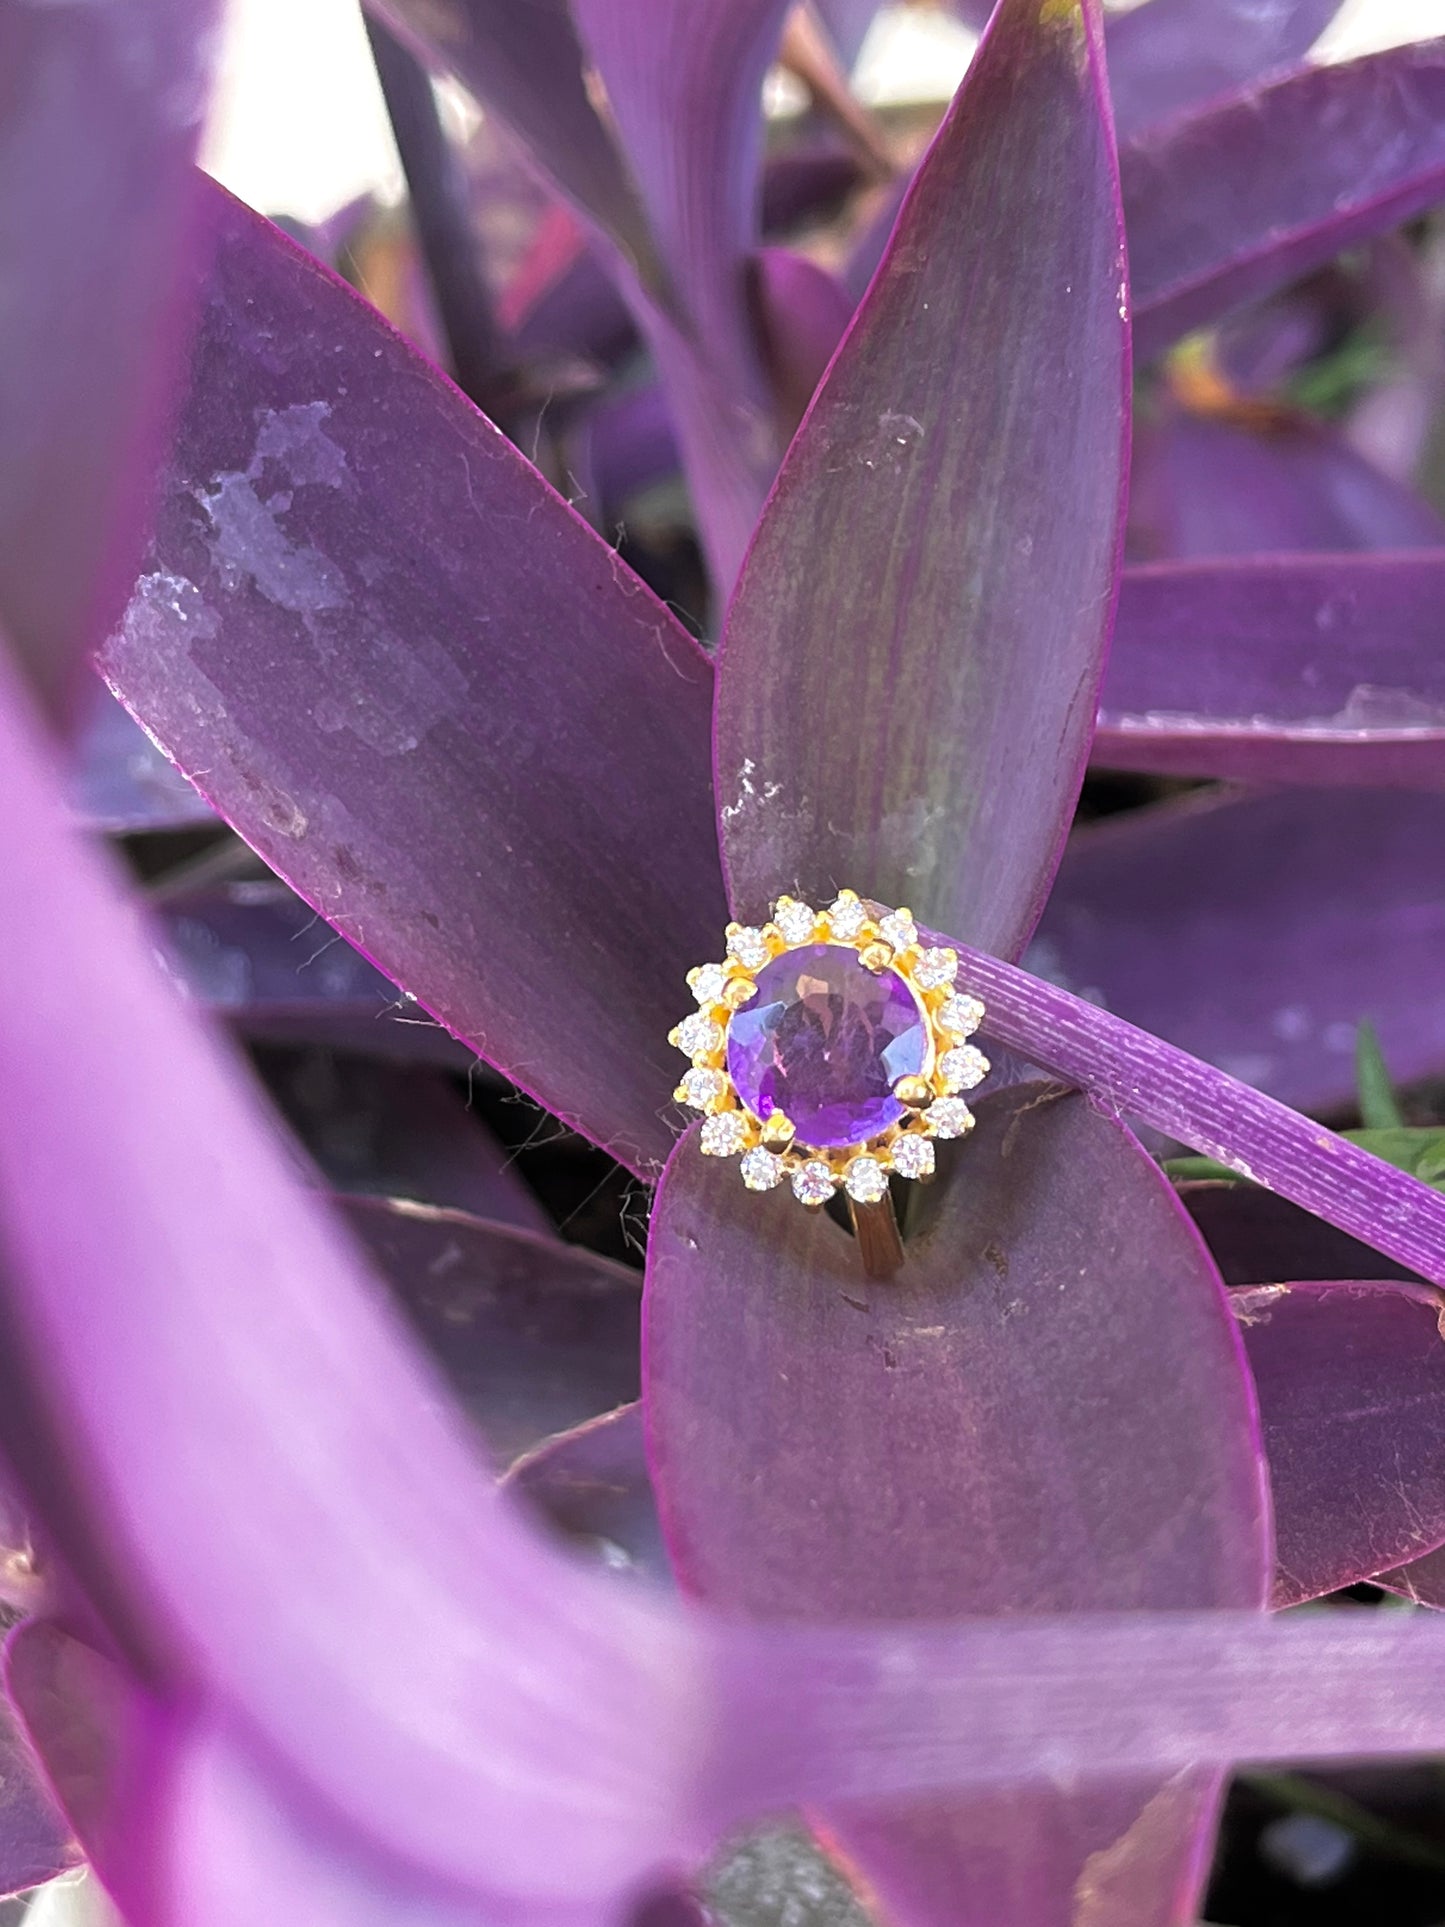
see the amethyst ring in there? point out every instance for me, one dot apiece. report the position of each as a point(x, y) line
point(829, 1051)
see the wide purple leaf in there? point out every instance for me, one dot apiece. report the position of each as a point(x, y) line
point(1173, 54)
point(592, 1484)
point(1137, 1075)
point(1213, 488)
point(98, 128)
point(1258, 1238)
point(802, 312)
point(928, 597)
point(971, 1438)
point(1280, 669)
point(121, 783)
point(533, 1335)
point(1257, 932)
point(1351, 1383)
point(258, 956)
point(1421, 1580)
point(429, 696)
point(1246, 194)
point(166, 1278)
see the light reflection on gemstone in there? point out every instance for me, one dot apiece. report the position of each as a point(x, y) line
point(825, 1040)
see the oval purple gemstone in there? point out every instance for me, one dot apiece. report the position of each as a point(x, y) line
point(824, 1041)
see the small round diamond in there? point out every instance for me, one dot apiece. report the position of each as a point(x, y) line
point(866, 1180)
point(795, 920)
point(899, 929)
point(698, 1036)
point(961, 1014)
point(935, 968)
point(761, 1169)
point(709, 982)
point(813, 1182)
point(701, 1087)
point(750, 947)
point(949, 1117)
point(963, 1067)
point(913, 1157)
point(724, 1134)
point(846, 917)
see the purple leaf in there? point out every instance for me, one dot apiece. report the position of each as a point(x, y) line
point(1212, 488)
point(1172, 54)
point(1136, 1075)
point(35, 1842)
point(802, 313)
point(1351, 1382)
point(416, 682)
point(929, 593)
point(255, 954)
point(528, 67)
point(1257, 1238)
point(387, 1130)
point(684, 84)
point(533, 1335)
point(964, 1440)
point(1220, 208)
point(121, 783)
point(967, 1439)
point(98, 128)
point(1280, 669)
point(1257, 931)
point(165, 1277)
point(1421, 1580)
point(592, 1484)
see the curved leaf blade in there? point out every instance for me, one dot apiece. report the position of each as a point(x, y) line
point(1222, 209)
point(968, 1439)
point(427, 694)
point(1280, 669)
point(928, 596)
point(98, 130)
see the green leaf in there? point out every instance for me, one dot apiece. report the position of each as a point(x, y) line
point(1379, 1106)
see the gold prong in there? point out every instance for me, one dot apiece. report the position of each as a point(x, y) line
point(847, 896)
point(778, 1131)
point(672, 1037)
point(915, 1092)
point(732, 930)
point(741, 990)
point(876, 956)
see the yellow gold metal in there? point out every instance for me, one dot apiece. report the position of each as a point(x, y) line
point(778, 1131)
point(876, 957)
point(915, 1092)
point(740, 991)
point(880, 1244)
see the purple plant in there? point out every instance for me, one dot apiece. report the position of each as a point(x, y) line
point(971, 1567)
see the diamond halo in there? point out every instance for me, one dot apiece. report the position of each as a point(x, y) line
point(921, 1104)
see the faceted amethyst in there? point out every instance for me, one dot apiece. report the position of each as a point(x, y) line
point(824, 1041)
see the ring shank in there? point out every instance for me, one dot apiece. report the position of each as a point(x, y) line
point(880, 1245)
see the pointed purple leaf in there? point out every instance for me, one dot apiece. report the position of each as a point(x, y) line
point(529, 67)
point(970, 1438)
point(1257, 932)
point(98, 128)
point(592, 1484)
point(533, 1335)
point(684, 85)
point(929, 593)
point(1173, 54)
point(1351, 1382)
point(166, 1277)
point(429, 696)
point(1280, 669)
point(1422, 1580)
point(1212, 488)
point(1246, 194)
point(802, 314)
